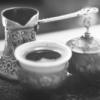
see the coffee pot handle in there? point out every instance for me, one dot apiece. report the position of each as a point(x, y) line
point(81, 12)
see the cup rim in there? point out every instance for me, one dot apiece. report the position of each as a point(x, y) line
point(21, 59)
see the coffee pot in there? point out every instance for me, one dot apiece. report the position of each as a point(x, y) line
point(20, 24)
point(85, 59)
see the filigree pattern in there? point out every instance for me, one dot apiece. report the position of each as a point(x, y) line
point(17, 37)
point(14, 38)
point(21, 36)
point(8, 67)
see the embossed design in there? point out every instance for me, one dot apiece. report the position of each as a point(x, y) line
point(16, 37)
point(8, 67)
point(27, 35)
point(21, 36)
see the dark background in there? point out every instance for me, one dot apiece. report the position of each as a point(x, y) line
point(51, 8)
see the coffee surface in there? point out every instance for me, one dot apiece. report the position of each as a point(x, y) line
point(43, 54)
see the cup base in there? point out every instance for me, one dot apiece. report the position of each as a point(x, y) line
point(41, 80)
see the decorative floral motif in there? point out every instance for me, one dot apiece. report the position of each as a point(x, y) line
point(17, 37)
point(21, 36)
point(8, 67)
point(14, 38)
point(27, 35)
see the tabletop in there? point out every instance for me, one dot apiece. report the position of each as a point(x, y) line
point(74, 87)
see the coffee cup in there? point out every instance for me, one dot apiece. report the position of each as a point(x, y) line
point(43, 63)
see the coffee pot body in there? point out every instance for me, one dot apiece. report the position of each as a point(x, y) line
point(20, 24)
point(85, 59)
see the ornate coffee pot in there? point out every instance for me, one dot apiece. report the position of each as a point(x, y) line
point(20, 25)
point(85, 59)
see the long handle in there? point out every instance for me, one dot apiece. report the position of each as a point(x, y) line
point(81, 12)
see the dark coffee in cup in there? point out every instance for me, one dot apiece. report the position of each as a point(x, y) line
point(43, 55)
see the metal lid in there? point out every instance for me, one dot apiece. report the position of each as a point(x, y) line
point(84, 45)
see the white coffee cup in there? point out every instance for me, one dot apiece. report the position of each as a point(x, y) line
point(45, 73)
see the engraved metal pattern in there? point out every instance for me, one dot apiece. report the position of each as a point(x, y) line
point(14, 38)
point(17, 37)
point(8, 67)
